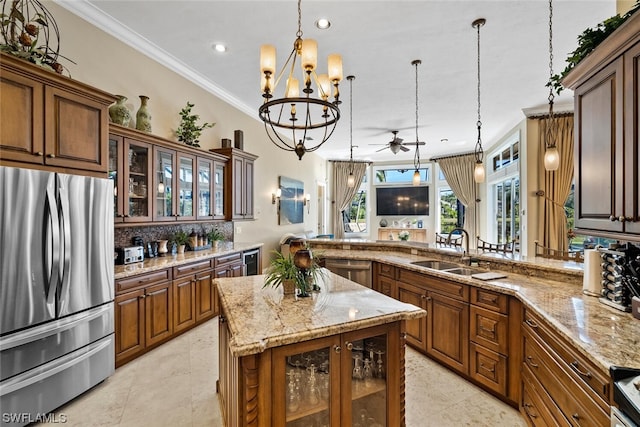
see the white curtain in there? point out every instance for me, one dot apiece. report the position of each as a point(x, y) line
point(458, 171)
point(342, 193)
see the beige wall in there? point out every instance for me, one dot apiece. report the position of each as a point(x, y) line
point(623, 6)
point(105, 62)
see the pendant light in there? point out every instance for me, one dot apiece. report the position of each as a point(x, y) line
point(478, 172)
point(351, 180)
point(295, 113)
point(416, 156)
point(551, 155)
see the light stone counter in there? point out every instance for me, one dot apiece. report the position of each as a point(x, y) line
point(261, 318)
point(159, 263)
point(551, 288)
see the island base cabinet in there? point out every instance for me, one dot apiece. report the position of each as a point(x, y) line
point(354, 378)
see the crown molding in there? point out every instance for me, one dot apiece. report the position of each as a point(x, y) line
point(96, 17)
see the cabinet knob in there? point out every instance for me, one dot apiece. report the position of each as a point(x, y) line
point(530, 362)
point(51, 156)
point(222, 319)
point(349, 346)
point(575, 416)
point(39, 154)
point(142, 296)
point(337, 348)
point(126, 216)
point(531, 323)
point(526, 408)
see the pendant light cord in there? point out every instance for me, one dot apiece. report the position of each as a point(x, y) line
point(350, 78)
point(479, 152)
point(551, 125)
point(299, 32)
point(416, 156)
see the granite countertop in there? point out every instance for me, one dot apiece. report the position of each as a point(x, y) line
point(159, 263)
point(261, 318)
point(601, 333)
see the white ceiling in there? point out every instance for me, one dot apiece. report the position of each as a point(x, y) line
point(378, 40)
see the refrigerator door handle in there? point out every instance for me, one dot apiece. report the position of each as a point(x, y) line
point(52, 224)
point(66, 252)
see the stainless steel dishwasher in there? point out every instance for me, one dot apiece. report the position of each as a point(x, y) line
point(356, 270)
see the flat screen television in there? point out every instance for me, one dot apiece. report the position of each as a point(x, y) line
point(402, 201)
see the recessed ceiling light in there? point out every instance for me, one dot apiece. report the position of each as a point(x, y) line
point(444, 140)
point(219, 47)
point(323, 23)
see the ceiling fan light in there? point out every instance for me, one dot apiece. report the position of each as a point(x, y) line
point(478, 172)
point(551, 158)
point(416, 177)
point(394, 148)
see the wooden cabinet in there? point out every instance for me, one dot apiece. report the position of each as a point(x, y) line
point(448, 331)
point(50, 121)
point(568, 387)
point(189, 304)
point(384, 279)
point(240, 175)
point(416, 329)
point(143, 314)
point(606, 88)
point(316, 382)
point(358, 271)
point(229, 265)
point(155, 182)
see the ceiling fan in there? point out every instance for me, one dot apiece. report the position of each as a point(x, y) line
point(396, 144)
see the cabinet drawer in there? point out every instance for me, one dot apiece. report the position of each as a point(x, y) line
point(188, 269)
point(143, 280)
point(580, 369)
point(488, 368)
point(490, 300)
point(451, 289)
point(224, 260)
point(386, 270)
point(536, 406)
point(489, 329)
point(572, 399)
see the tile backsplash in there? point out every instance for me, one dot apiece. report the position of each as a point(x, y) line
point(124, 236)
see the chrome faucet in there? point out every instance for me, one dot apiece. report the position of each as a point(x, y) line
point(465, 256)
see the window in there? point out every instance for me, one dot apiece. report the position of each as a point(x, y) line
point(399, 174)
point(580, 242)
point(506, 198)
point(506, 156)
point(451, 211)
point(355, 217)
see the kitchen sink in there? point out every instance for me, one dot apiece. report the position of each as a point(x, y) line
point(463, 271)
point(436, 265)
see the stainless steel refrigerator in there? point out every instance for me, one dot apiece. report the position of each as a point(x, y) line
point(56, 290)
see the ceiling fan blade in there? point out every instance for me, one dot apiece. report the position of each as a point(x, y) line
point(398, 140)
point(383, 148)
point(403, 148)
point(413, 143)
point(379, 144)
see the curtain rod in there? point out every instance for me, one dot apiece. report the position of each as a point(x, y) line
point(546, 115)
point(354, 161)
point(435, 159)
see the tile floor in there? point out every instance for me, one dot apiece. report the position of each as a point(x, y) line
point(174, 385)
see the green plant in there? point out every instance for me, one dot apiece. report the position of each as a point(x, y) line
point(215, 235)
point(189, 131)
point(588, 41)
point(180, 237)
point(282, 268)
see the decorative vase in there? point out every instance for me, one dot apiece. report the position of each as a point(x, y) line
point(289, 286)
point(383, 222)
point(119, 113)
point(181, 249)
point(143, 117)
point(162, 247)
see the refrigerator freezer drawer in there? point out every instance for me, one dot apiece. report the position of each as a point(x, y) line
point(50, 386)
point(29, 348)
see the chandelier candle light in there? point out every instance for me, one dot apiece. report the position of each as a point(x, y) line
point(416, 156)
point(299, 114)
point(551, 156)
point(478, 172)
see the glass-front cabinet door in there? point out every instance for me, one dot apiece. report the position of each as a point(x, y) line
point(138, 160)
point(164, 183)
point(205, 178)
point(186, 187)
point(306, 390)
point(116, 147)
point(218, 190)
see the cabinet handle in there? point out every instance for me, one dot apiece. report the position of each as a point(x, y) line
point(126, 215)
point(39, 154)
point(576, 417)
point(575, 367)
point(531, 323)
point(530, 362)
point(51, 156)
point(349, 346)
point(526, 409)
point(488, 331)
point(222, 319)
point(337, 348)
point(423, 296)
point(142, 296)
point(492, 369)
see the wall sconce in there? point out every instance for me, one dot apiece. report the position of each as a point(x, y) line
point(275, 197)
point(307, 202)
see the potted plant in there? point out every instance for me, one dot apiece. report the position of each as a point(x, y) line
point(215, 236)
point(189, 131)
point(180, 238)
point(283, 271)
point(403, 235)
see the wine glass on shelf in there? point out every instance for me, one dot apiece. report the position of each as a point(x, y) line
point(367, 372)
point(379, 364)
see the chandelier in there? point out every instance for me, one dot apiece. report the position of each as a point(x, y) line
point(478, 172)
point(295, 113)
point(351, 180)
point(416, 156)
point(551, 156)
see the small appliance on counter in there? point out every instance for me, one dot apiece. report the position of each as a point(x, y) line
point(626, 394)
point(129, 255)
point(620, 276)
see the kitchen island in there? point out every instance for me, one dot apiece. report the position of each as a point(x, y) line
point(334, 358)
